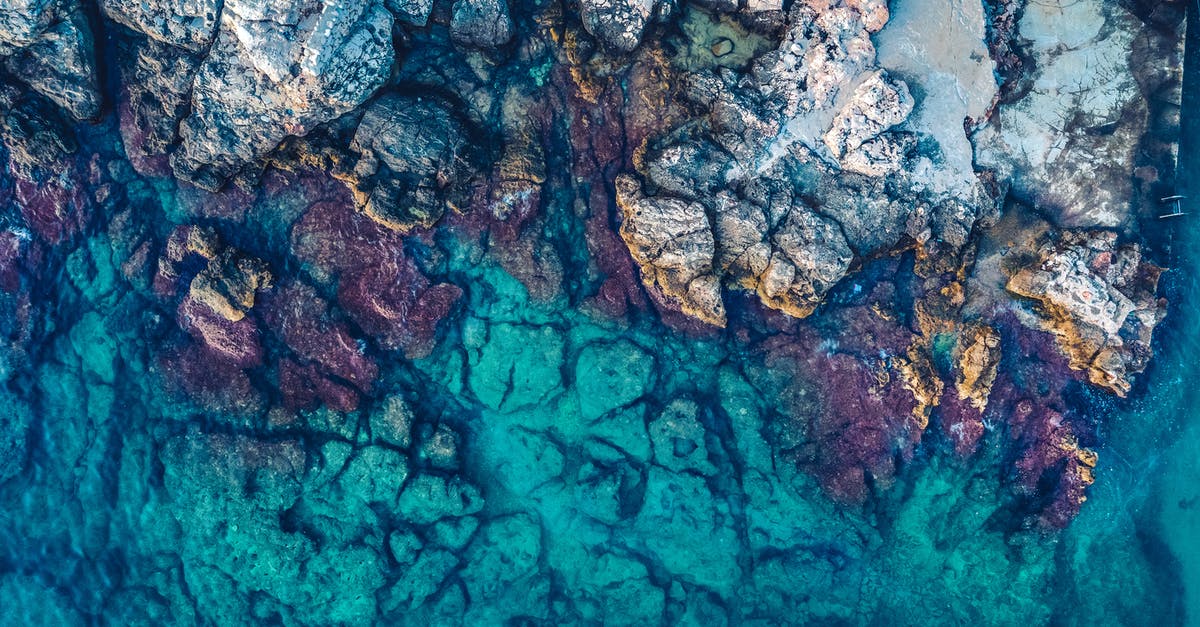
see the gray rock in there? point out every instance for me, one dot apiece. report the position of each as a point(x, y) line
point(413, 12)
point(617, 23)
point(159, 83)
point(481, 23)
point(672, 242)
point(799, 167)
point(189, 24)
point(271, 74)
point(21, 21)
point(413, 162)
point(59, 61)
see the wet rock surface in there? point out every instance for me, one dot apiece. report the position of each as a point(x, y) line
point(598, 312)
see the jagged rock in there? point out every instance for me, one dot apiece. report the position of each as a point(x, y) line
point(414, 12)
point(50, 47)
point(673, 244)
point(21, 21)
point(618, 23)
point(877, 104)
point(285, 66)
point(978, 361)
point(159, 85)
point(414, 161)
point(1098, 299)
point(188, 24)
point(800, 166)
point(481, 23)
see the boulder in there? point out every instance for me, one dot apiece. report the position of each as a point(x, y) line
point(285, 66)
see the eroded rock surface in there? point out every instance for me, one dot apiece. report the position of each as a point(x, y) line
point(285, 66)
point(786, 162)
point(1098, 298)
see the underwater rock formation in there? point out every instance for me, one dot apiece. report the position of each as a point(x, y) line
point(593, 312)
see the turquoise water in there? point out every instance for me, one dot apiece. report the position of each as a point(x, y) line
point(543, 464)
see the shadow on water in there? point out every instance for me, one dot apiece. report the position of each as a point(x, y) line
point(1170, 452)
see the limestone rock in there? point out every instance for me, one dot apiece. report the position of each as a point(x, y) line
point(1098, 299)
point(414, 162)
point(188, 24)
point(481, 23)
point(276, 69)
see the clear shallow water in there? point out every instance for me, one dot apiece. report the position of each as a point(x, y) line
point(136, 506)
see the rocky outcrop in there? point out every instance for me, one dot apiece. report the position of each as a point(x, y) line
point(1098, 298)
point(414, 161)
point(48, 44)
point(619, 23)
point(481, 23)
point(277, 69)
point(798, 169)
point(1069, 143)
point(187, 24)
point(672, 242)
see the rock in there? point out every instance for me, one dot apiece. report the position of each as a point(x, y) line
point(481, 23)
point(877, 104)
point(377, 283)
point(672, 243)
point(329, 357)
point(1070, 142)
point(429, 498)
point(799, 167)
point(414, 162)
point(60, 63)
point(1098, 299)
point(391, 423)
point(159, 85)
point(412, 12)
point(1053, 469)
point(610, 376)
point(439, 447)
point(518, 367)
point(285, 73)
point(617, 23)
point(187, 24)
point(15, 420)
point(678, 439)
point(21, 21)
point(978, 361)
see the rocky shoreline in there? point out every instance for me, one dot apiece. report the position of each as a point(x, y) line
point(366, 288)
